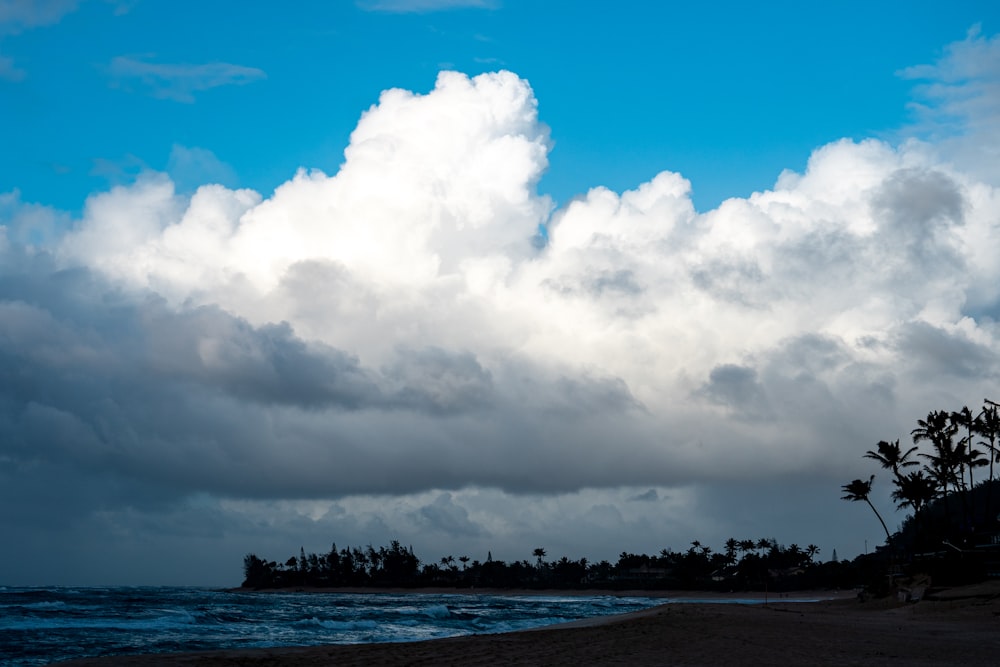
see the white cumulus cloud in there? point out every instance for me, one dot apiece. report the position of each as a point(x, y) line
point(422, 325)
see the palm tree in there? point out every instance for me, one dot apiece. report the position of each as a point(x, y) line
point(795, 554)
point(891, 456)
point(764, 544)
point(448, 562)
point(914, 490)
point(539, 553)
point(988, 426)
point(811, 551)
point(731, 546)
point(946, 459)
point(973, 457)
point(860, 490)
point(938, 429)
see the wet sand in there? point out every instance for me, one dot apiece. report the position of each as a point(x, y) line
point(952, 627)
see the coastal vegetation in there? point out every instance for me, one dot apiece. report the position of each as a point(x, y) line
point(747, 564)
point(953, 530)
point(952, 533)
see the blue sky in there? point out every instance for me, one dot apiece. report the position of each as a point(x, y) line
point(270, 277)
point(727, 94)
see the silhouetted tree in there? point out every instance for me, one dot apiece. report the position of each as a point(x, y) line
point(891, 457)
point(972, 457)
point(859, 490)
point(944, 463)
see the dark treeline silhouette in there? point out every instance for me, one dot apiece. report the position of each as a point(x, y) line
point(953, 534)
point(741, 565)
point(953, 530)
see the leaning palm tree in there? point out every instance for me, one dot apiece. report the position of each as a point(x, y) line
point(860, 490)
point(891, 456)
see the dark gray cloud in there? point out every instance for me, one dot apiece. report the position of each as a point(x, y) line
point(919, 208)
point(739, 389)
point(194, 399)
point(434, 380)
point(648, 496)
point(443, 515)
point(266, 364)
point(936, 352)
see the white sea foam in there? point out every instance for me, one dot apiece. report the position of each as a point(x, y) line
point(39, 626)
point(52, 604)
point(437, 611)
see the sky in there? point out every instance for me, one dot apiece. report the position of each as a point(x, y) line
point(479, 275)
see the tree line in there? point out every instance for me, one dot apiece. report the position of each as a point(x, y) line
point(953, 512)
point(949, 507)
point(746, 564)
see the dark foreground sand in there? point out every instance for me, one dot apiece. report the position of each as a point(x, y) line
point(954, 627)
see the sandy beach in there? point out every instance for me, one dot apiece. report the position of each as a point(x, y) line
point(948, 627)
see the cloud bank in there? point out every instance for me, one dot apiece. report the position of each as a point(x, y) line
point(424, 326)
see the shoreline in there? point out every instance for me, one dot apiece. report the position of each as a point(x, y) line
point(680, 595)
point(953, 626)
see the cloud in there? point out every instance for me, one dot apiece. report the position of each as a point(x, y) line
point(422, 6)
point(425, 340)
point(122, 7)
point(19, 15)
point(647, 496)
point(191, 167)
point(179, 82)
point(737, 387)
point(444, 516)
point(9, 71)
point(957, 102)
point(398, 344)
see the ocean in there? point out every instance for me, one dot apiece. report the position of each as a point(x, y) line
point(39, 626)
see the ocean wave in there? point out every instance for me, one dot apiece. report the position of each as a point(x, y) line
point(74, 623)
point(50, 604)
point(437, 611)
point(341, 626)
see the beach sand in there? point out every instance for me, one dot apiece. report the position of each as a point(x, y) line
point(951, 627)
